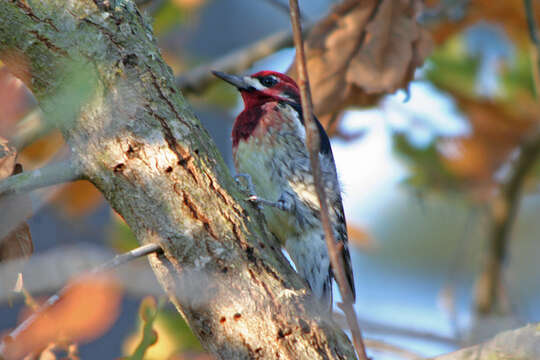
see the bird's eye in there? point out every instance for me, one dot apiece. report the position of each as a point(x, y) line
point(268, 81)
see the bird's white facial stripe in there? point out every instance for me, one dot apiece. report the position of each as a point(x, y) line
point(254, 83)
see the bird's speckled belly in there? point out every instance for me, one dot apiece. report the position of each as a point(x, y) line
point(260, 162)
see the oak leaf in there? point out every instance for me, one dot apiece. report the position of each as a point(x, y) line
point(363, 50)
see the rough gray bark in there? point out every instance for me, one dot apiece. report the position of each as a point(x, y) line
point(518, 344)
point(135, 138)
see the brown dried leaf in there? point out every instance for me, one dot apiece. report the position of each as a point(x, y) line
point(363, 50)
point(18, 244)
point(498, 128)
point(7, 158)
point(15, 240)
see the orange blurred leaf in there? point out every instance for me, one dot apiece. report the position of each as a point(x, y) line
point(189, 4)
point(363, 50)
point(86, 309)
point(42, 150)
point(78, 198)
point(359, 237)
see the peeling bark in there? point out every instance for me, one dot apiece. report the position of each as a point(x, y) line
point(134, 137)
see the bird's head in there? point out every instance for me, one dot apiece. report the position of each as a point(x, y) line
point(263, 86)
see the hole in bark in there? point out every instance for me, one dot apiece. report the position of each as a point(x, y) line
point(222, 319)
point(17, 169)
point(262, 245)
point(249, 253)
point(184, 161)
point(282, 333)
point(130, 60)
point(237, 316)
point(169, 169)
point(130, 153)
point(119, 167)
point(225, 270)
point(196, 151)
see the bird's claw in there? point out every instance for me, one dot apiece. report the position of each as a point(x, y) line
point(281, 204)
point(284, 203)
point(249, 182)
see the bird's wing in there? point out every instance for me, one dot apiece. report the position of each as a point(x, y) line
point(340, 226)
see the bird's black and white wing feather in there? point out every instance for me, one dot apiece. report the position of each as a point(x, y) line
point(333, 191)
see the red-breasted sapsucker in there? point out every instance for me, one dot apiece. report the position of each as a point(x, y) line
point(269, 146)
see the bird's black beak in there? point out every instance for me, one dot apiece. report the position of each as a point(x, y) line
point(235, 80)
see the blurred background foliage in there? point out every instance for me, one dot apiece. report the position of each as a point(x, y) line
point(440, 178)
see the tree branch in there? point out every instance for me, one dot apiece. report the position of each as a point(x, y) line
point(504, 209)
point(199, 78)
point(283, 7)
point(52, 174)
point(134, 137)
point(313, 146)
point(489, 292)
point(126, 257)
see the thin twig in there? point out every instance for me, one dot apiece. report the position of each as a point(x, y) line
point(313, 145)
point(394, 349)
point(52, 174)
point(283, 7)
point(393, 330)
point(505, 206)
point(199, 78)
point(124, 258)
point(535, 40)
point(117, 261)
point(446, 10)
point(504, 211)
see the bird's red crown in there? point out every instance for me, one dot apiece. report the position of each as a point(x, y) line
point(256, 90)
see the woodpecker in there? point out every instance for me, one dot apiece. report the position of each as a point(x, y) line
point(268, 140)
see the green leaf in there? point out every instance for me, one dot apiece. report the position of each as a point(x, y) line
point(148, 312)
point(425, 165)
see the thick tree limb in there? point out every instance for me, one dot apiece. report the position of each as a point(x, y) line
point(313, 146)
point(136, 139)
point(52, 174)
